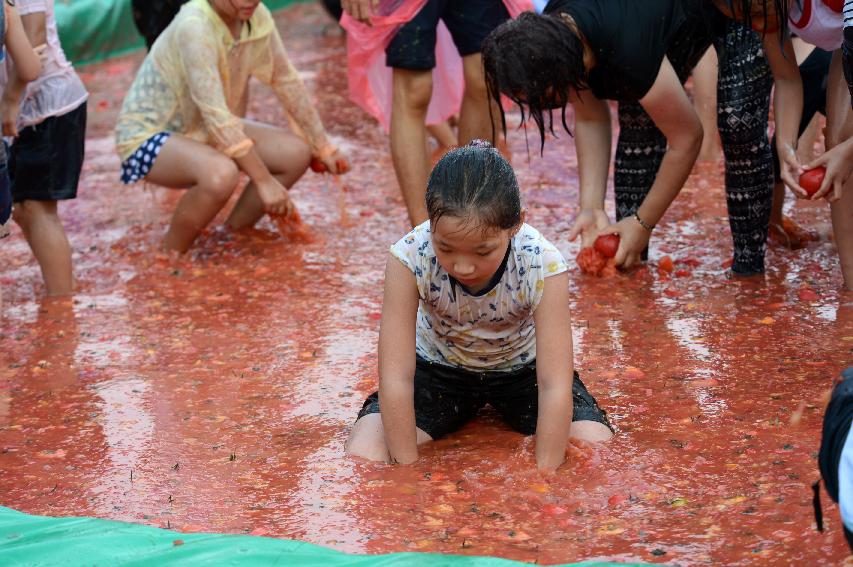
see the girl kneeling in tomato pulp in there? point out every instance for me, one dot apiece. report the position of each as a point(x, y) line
point(476, 311)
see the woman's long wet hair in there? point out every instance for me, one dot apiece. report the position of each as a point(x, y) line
point(477, 184)
point(535, 60)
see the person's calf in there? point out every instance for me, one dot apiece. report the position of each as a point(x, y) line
point(42, 227)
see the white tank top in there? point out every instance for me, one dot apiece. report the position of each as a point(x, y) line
point(818, 22)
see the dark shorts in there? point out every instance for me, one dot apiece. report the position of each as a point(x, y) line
point(469, 22)
point(847, 57)
point(46, 159)
point(447, 397)
point(141, 161)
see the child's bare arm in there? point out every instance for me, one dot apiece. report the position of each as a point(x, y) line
point(397, 361)
point(554, 372)
point(35, 29)
point(27, 63)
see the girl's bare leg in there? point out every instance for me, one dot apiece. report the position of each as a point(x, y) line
point(286, 156)
point(705, 102)
point(443, 134)
point(40, 223)
point(211, 177)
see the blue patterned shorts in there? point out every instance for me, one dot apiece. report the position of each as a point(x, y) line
point(139, 163)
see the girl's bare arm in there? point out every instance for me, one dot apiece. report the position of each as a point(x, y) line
point(554, 372)
point(397, 361)
point(27, 63)
point(35, 29)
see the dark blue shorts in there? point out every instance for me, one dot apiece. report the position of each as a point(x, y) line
point(447, 397)
point(46, 159)
point(469, 22)
point(139, 163)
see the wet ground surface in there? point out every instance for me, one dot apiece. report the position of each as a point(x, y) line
point(215, 393)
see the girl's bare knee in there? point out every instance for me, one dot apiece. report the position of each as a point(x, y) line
point(26, 212)
point(367, 439)
point(221, 178)
point(591, 431)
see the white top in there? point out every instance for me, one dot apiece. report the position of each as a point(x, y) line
point(848, 13)
point(845, 482)
point(492, 330)
point(816, 23)
point(58, 90)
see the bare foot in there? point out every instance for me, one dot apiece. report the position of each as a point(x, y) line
point(789, 234)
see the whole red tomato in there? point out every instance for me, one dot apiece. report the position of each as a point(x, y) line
point(812, 179)
point(317, 165)
point(607, 244)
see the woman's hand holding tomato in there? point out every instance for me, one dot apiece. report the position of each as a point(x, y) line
point(588, 224)
point(633, 239)
point(790, 168)
point(838, 166)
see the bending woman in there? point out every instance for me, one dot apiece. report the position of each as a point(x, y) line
point(182, 126)
point(585, 52)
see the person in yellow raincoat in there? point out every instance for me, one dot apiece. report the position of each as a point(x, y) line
point(181, 124)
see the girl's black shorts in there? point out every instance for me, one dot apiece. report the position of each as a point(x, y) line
point(447, 397)
point(46, 159)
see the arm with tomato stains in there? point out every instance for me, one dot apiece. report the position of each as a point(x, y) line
point(787, 107)
point(592, 143)
point(554, 372)
point(397, 337)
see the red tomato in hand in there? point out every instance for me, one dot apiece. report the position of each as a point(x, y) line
point(607, 244)
point(812, 179)
point(317, 165)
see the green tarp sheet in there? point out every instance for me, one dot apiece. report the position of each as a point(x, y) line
point(93, 30)
point(40, 540)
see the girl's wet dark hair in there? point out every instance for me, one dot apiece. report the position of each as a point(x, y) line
point(534, 60)
point(745, 10)
point(475, 183)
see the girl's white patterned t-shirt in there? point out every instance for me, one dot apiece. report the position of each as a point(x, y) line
point(492, 331)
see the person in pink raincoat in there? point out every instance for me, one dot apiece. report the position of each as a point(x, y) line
point(399, 54)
